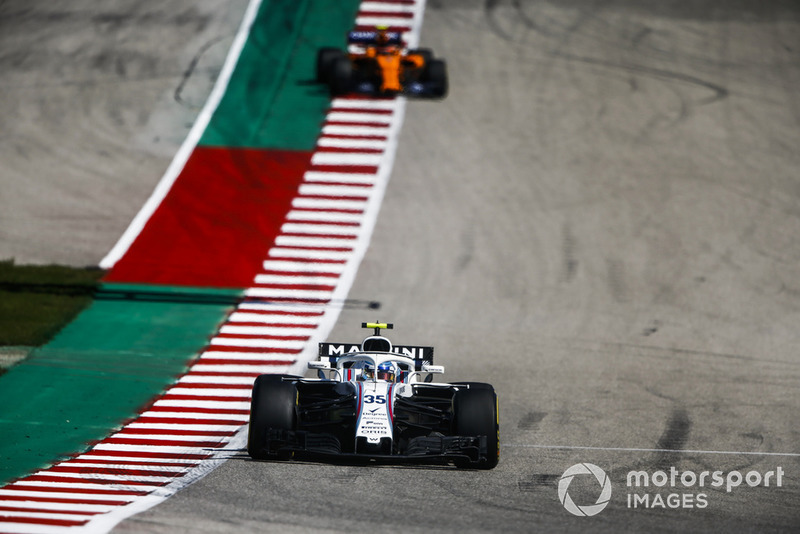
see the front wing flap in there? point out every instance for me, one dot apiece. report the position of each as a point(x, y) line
point(424, 448)
point(413, 89)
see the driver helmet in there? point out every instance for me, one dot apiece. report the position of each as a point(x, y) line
point(366, 370)
point(387, 371)
point(383, 40)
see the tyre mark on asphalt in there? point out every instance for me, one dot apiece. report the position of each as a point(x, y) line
point(536, 481)
point(531, 420)
point(189, 72)
point(570, 258)
point(520, 16)
point(528, 22)
point(718, 92)
point(468, 250)
point(674, 438)
point(651, 328)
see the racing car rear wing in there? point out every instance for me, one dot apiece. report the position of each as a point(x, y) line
point(371, 37)
point(421, 355)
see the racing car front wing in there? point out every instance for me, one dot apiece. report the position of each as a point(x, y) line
point(459, 449)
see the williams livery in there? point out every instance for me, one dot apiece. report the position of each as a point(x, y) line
point(374, 401)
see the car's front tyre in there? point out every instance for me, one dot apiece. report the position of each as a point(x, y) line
point(273, 406)
point(475, 413)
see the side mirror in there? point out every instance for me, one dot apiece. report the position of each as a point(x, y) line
point(435, 369)
point(321, 367)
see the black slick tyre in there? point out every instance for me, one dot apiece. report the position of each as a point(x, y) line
point(437, 78)
point(273, 406)
point(341, 79)
point(475, 413)
point(325, 59)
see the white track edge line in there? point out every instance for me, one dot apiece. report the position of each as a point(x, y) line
point(635, 449)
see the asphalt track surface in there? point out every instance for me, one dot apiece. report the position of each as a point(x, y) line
point(96, 100)
point(602, 220)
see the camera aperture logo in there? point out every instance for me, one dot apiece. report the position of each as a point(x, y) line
point(590, 509)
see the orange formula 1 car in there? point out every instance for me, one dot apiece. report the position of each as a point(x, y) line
point(381, 67)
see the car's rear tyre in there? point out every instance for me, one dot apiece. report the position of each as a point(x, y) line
point(475, 413)
point(437, 77)
point(426, 53)
point(341, 80)
point(325, 59)
point(273, 406)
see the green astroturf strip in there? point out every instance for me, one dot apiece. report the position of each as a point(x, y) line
point(102, 369)
point(272, 100)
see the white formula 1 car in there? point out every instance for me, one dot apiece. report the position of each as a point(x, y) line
point(370, 402)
